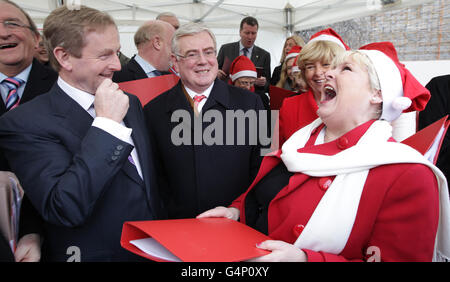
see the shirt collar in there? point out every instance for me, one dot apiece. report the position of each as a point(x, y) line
point(242, 47)
point(84, 99)
point(146, 66)
point(192, 93)
point(23, 75)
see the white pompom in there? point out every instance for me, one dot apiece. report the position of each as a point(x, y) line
point(401, 103)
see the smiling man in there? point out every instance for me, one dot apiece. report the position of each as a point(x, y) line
point(81, 150)
point(197, 176)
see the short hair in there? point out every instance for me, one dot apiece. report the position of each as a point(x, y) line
point(147, 31)
point(250, 21)
point(365, 63)
point(33, 26)
point(67, 28)
point(317, 51)
point(165, 14)
point(190, 29)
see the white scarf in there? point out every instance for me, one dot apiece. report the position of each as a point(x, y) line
point(330, 225)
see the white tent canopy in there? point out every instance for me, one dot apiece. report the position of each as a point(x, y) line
point(277, 18)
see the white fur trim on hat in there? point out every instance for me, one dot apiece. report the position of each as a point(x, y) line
point(326, 37)
point(247, 73)
point(391, 84)
point(295, 69)
point(291, 55)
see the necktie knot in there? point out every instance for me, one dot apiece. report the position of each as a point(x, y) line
point(197, 99)
point(12, 100)
point(245, 51)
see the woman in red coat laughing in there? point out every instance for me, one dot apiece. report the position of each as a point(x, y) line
point(341, 189)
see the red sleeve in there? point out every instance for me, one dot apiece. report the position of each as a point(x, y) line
point(406, 223)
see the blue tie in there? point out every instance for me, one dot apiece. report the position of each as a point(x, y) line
point(156, 73)
point(12, 100)
point(245, 51)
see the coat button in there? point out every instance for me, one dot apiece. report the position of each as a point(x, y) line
point(325, 183)
point(342, 143)
point(119, 147)
point(297, 229)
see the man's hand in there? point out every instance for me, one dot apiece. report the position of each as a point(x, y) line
point(28, 248)
point(221, 75)
point(110, 102)
point(260, 81)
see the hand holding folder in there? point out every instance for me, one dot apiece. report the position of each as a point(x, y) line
point(193, 240)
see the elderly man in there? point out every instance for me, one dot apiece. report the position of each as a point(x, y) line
point(22, 78)
point(81, 150)
point(198, 174)
point(152, 41)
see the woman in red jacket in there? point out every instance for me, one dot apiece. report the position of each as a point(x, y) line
point(341, 189)
point(313, 61)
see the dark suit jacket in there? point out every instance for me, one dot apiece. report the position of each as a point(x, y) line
point(195, 178)
point(131, 71)
point(437, 108)
point(40, 80)
point(260, 58)
point(78, 176)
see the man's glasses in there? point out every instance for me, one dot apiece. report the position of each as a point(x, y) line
point(195, 55)
point(13, 25)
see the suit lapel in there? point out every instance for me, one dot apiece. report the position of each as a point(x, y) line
point(69, 113)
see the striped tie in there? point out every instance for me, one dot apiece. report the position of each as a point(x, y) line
point(12, 100)
point(197, 99)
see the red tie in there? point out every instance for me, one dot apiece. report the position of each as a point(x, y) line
point(197, 100)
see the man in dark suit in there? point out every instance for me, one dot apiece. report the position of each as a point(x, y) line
point(437, 108)
point(19, 39)
point(199, 173)
point(81, 150)
point(246, 46)
point(152, 41)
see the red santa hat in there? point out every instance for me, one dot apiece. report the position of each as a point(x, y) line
point(400, 90)
point(295, 67)
point(242, 66)
point(295, 50)
point(329, 35)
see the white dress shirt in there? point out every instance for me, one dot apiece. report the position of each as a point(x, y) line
point(118, 130)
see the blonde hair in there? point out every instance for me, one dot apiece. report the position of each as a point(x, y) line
point(67, 28)
point(298, 41)
point(317, 51)
point(364, 62)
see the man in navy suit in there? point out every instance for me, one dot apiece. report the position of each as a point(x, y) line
point(152, 41)
point(198, 174)
point(81, 151)
point(248, 32)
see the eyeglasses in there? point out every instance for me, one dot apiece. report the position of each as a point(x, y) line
point(195, 55)
point(246, 82)
point(12, 25)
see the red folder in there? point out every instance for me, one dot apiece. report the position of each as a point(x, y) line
point(148, 88)
point(428, 141)
point(277, 95)
point(196, 240)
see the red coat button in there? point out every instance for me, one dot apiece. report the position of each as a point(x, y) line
point(297, 229)
point(325, 183)
point(342, 143)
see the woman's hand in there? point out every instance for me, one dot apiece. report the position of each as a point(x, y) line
point(281, 251)
point(231, 213)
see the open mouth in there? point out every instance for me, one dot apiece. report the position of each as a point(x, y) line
point(329, 93)
point(7, 45)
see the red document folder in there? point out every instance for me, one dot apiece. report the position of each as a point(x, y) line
point(277, 95)
point(428, 141)
point(148, 88)
point(196, 240)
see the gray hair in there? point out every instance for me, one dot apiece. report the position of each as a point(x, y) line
point(190, 29)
